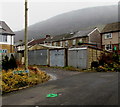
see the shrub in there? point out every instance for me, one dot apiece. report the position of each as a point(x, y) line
point(12, 62)
point(9, 63)
point(109, 62)
point(11, 82)
point(101, 69)
point(5, 63)
point(105, 59)
point(94, 64)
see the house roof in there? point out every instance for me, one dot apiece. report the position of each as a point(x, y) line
point(37, 41)
point(59, 37)
point(19, 43)
point(84, 32)
point(43, 46)
point(5, 29)
point(81, 33)
point(112, 27)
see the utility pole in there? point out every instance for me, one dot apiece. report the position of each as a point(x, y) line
point(26, 38)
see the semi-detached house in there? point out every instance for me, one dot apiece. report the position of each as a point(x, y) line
point(111, 37)
point(6, 38)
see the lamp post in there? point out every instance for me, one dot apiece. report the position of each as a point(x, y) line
point(26, 38)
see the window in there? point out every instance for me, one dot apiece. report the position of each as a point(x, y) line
point(108, 47)
point(108, 35)
point(61, 44)
point(3, 38)
point(80, 40)
point(74, 42)
point(3, 50)
point(54, 43)
point(50, 44)
point(66, 43)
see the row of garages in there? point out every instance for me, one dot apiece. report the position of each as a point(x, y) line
point(61, 57)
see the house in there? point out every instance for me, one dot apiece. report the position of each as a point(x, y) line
point(20, 46)
point(6, 38)
point(90, 36)
point(111, 37)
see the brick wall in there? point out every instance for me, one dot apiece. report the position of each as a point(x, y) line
point(10, 48)
point(93, 55)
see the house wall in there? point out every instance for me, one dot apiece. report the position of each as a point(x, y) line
point(95, 37)
point(117, 46)
point(9, 48)
point(10, 40)
point(8, 45)
point(113, 40)
point(70, 42)
point(84, 40)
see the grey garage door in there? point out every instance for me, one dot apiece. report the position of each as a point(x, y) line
point(57, 58)
point(77, 58)
point(38, 57)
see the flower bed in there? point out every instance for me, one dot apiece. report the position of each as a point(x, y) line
point(12, 81)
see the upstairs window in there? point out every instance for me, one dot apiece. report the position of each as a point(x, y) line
point(3, 38)
point(66, 43)
point(61, 44)
point(50, 44)
point(54, 43)
point(74, 42)
point(80, 40)
point(108, 35)
point(108, 47)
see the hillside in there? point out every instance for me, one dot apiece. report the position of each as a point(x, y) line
point(72, 21)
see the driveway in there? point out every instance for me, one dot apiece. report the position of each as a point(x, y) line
point(73, 88)
point(56, 73)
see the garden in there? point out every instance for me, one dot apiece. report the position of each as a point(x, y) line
point(15, 77)
point(107, 62)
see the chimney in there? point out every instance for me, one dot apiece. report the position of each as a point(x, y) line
point(47, 36)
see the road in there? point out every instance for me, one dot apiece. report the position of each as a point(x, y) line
point(73, 88)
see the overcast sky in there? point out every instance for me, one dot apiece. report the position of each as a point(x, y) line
point(12, 12)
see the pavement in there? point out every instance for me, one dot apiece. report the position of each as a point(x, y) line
point(73, 88)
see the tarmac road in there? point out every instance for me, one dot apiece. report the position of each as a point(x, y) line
point(96, 88)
